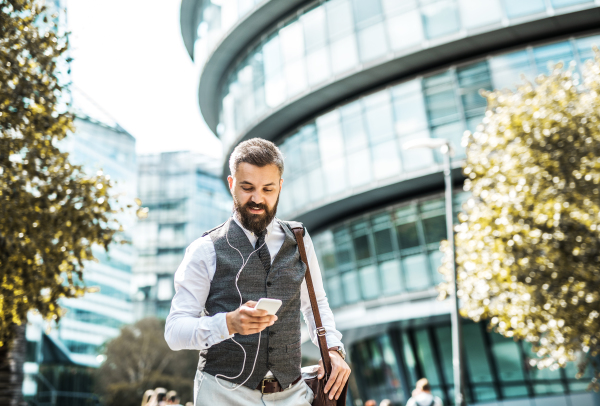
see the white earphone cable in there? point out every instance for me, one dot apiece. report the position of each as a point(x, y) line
point(244, 263)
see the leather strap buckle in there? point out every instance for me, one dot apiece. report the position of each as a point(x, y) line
point(266, 380)
point(321, 331)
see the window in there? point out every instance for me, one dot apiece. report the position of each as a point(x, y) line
point(408, 236)
point(435, 261)
point(331, 142)
point(416, 272)
point(435, 229)
point(509, 364)
point(520, 8)
point(386, 161)
point(362, 250)
point(339, 18)
point(405, 30)
point(164, 288)
point(351, 286)
point(343, 54)
point(353, 127)
point(369, 282)
point(314, 28)
point(334, 291)
point(411, 122)
point(506, 69)
point(379, 118)
point(383, 241)
point(318, 66)
point(443, 339)
point(440, 17)
point(549, 55)
point(372, 41)
point(566, 3)
point(477, 362)
point(325, 249)
point(584, 47)
point(81, 348)
point(367, 12)
point(471, 80)
point(477, 13)
point(440, 99)
point(359, 167)
point(425, 356)
point(343, 248)
point(316, 185)
point(390, 277)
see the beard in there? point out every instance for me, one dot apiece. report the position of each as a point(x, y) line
point(254, 222)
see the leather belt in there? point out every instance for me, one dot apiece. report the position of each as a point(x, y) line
point(271, 385)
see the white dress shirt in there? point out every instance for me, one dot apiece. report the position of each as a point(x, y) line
point(185, 328)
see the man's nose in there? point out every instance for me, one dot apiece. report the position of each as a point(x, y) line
point(257, 197)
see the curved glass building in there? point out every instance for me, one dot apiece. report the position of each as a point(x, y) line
point(340, 86)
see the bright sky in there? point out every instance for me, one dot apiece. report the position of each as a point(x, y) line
point(129, 58)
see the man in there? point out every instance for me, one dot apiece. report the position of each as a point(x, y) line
point(422, 396)
point(173, 398)
point(248, 357)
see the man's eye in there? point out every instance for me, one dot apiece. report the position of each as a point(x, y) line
point(247, 189)
point(268, 190)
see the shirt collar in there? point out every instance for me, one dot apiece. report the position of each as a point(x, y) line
point(250, 233)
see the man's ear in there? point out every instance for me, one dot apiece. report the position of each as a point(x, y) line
point(280, 184)
point(230, 181)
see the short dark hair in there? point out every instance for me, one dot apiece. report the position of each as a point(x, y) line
point(258, 152)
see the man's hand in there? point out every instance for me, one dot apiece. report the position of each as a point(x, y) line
point(340, 371)
point(248, 320)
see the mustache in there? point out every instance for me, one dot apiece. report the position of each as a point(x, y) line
point(256, 206)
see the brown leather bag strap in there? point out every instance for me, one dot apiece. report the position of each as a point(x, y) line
point(299, 233)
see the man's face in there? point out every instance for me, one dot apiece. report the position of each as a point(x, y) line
point(255, 192)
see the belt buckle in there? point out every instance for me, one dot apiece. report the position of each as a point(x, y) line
point(262, 384)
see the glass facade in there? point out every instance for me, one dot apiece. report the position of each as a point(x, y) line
point(337, 37)
point(496, 368)
point(185, 198)
point(358, 145)
point(384, 253)
point(99, 143)
point(214, 19)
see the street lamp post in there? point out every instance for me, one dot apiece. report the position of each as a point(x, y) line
point(446, 149)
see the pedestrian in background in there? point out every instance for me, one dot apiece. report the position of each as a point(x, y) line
point(147, 396)
point(370, 402)
point(422, 396)
point(158, 398)
point(173, 398)
point(385, 402)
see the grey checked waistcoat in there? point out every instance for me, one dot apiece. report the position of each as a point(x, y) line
point(280, 343)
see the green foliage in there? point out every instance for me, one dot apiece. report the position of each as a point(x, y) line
point(528, 247)
point(140, 359)
point(52, 213)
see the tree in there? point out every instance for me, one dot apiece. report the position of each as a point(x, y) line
point(528, 242)
point(140, 359)
point(52, 212)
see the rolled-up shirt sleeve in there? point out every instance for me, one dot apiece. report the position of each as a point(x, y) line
point(187, 327)
point(333, 336)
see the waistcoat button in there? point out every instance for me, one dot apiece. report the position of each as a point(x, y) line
point(269, 283)
point(271, 333)
point(271, 349)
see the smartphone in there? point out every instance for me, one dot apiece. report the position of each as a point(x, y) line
point(270, 305)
